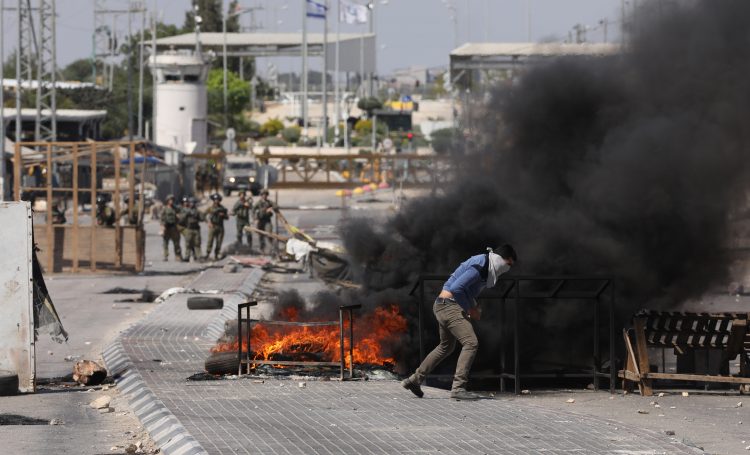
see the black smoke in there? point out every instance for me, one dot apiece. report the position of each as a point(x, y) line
point(628, 165)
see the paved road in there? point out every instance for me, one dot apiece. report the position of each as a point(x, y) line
point(378, 417)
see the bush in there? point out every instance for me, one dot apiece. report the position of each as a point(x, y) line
point(273, 142)
point(363, 127)
point(369, 104)
point(272, 127)
point(291, 134)
point(443, 140)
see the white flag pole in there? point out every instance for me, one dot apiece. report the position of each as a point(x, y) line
point(337, 94)
point(325, 74)
point(304, 68)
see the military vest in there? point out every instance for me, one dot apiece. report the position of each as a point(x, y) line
point(169, 216)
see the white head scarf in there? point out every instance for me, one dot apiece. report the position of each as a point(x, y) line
point(495, 268)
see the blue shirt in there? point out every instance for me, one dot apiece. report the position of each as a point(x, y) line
point(466, 282)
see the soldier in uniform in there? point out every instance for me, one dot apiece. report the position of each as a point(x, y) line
point(264, 209)
point(132, 217)
point(192, 232)
point(216, 214)
point(105, 215)
point(58, 214)
point(181, 220)
point(170, 230)
point(243, 210)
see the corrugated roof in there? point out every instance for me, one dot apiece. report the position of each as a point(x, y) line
point(64, 115)
point(254, 39)
point(533, 49)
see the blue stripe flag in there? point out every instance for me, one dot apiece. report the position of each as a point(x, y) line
point(316, 10)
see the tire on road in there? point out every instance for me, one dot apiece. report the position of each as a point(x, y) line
point(205, 303)
point(222, 363)
point(8, 383)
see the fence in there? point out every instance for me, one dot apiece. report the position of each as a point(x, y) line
point(342, 171)
point(60, 173)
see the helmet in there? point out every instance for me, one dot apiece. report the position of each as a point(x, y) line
point(185, 199)
point(100, 199)
point(216, 197)
point(169, 196)
point(264, 191)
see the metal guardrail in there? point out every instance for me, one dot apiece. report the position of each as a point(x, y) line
point(513, 288)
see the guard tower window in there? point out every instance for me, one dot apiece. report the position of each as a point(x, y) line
point(171, 77)
point(191, 78)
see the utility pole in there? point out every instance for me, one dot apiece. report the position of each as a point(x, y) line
point(24, 59)
point(130, 78)
point(304, 68)
point(337, 92)
point(140, 71)
point(371, 75)
point(46, 74)
point(325, 74)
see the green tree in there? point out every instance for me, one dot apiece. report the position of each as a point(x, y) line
point(238, 92)
point(369, 104)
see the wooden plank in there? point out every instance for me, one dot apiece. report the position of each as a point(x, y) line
point(75, 207)
point(697, 377)
point(736, 337)
point(118, 228)
point(92, 204)
point(629, 376)
point(631, 363)
point(642, 351)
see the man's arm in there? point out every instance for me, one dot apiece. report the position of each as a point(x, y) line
point(460, 288)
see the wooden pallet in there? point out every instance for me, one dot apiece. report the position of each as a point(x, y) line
point(684, 331)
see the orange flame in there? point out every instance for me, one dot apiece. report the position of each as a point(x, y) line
point(373, 333)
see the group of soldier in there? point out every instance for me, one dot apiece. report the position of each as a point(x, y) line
point(185, 220)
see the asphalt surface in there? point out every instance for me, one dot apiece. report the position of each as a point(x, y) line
point(165, 344)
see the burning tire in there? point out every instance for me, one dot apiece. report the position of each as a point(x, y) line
point(205, 303)
point(222, 363)
point(8, 383)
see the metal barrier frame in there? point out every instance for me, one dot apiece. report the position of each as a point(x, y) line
point(607, 283)
point(248, 321)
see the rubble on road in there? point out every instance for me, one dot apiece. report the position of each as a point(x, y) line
point(101, 402)
point(88, 372)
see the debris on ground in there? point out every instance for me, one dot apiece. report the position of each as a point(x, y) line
point(525, 392)
point(88, 372)
point(738, 405)
point(642, 411)
point(101, 402)
point(669, 432)
point(570, 400)
point(685, 394)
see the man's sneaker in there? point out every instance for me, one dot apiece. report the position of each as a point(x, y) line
point(414, 388)
point(463, 395)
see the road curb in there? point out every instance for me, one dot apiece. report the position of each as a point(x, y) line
point(165, 429)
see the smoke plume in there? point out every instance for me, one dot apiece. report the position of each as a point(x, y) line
point(628, 165)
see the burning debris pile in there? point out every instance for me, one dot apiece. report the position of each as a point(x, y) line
point(377, 330)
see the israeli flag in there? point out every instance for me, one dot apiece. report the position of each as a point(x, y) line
point(315, 9)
